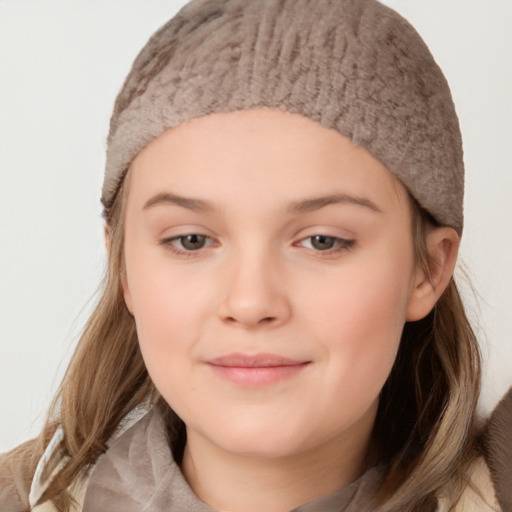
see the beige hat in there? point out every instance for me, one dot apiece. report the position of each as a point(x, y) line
point(355, 66)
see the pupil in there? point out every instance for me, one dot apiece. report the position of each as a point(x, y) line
point(323, 242)
point(193, 241)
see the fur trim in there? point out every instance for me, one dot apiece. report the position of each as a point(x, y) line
point(498, 445)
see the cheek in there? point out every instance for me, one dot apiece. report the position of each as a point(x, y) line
point(168, 331)
point(359, 318)
point(169, 311)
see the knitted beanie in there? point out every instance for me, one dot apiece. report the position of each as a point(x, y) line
point(354, 66)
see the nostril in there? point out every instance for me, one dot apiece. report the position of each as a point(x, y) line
point(263, 321)
point(252, 311)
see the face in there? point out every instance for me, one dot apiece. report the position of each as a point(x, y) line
point(270, 270)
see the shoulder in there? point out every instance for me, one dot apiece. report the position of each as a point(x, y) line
point(490, 484)
point(498, 450)
point(478, 495)
point(15, 478)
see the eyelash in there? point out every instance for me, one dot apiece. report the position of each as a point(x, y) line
point(343, 244)
point(168, 244)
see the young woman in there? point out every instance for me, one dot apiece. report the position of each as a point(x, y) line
point(279, 328)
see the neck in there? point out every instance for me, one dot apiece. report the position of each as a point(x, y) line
point(234, 482)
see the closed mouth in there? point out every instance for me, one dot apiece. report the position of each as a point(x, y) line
point(256, 370)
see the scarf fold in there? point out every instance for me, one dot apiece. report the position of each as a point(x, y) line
point(138, 474)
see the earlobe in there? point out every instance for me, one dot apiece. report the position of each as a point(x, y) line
point(106, 238)
point(124, 283)
point(442, 246)
point(126, 292)
point(127, 298)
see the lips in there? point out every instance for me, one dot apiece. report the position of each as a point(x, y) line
point(256, 370)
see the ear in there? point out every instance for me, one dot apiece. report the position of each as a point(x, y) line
point(124, 282)
point(106, 238)
point(442, 246)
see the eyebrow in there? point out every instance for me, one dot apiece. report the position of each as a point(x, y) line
point(196, 205)
point(296, 207)
point(315, 203)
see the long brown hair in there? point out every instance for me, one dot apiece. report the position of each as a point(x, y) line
point(426, 424)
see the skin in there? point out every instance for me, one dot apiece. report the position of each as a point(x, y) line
point(260, 282)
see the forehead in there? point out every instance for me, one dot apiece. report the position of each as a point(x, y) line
point(259, 157)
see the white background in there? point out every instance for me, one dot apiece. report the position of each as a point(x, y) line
point(61, 65)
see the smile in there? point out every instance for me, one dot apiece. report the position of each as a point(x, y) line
point(256, 370)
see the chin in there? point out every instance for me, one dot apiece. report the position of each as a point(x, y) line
point(262, 446)
point(265, 439)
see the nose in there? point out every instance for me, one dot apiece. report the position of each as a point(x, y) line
point(255, 293)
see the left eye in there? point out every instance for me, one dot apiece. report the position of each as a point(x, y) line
point(327, 243)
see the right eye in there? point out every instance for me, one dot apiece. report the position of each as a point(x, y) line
point(185, 244)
